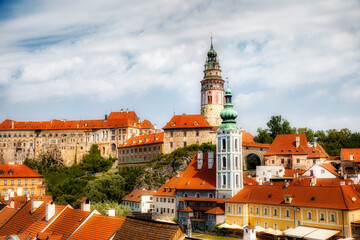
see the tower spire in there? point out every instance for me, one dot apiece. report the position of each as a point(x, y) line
point(211, 40)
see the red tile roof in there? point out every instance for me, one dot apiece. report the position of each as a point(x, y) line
point(67, 222)
point(215, 210)
point(286, 145)
point(17, 171)
point(135, 195)
point(98, 227)
point(20, 201)
point(133, 229)
point(144, 140)
point(330, 168)
point(146, 124)
point(188, 209)
point(187, 121)
point(248, 141)
point(115, 120)
point(6, 213)
point(331, 197)
point(217, 200)
point(346, 152)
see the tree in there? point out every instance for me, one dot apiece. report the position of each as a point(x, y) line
point(120, 210)
point(308, 132)
point(263, 136)
point(94, 162)
point(106, 187)
point(278, 125)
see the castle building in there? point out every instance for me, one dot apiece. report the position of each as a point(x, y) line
point(137, 151)
point(212, 89)
point(68, 141)
point(229, 167)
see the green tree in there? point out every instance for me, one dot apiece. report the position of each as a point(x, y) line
point(120, 210)
point(308, 132)
point(94, 162)
point(106, 187)
point(263, 136)
point(278, 125)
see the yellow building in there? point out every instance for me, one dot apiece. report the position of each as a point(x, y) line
point(330, 204)
point(20, 180)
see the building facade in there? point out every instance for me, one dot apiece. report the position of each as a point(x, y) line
point(68, 141)
point(139, 201)
point(137, 151)
point(212, 89)
point(20, 180)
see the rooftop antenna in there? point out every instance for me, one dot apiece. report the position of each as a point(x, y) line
point(174, 111)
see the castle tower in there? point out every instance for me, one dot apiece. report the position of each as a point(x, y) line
point(229, 166)
point(212, 89)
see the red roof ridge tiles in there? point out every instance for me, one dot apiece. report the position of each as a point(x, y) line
point(187, 121)
point(17, 171)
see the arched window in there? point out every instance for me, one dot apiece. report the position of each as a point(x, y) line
point(224, 144)
point(224, 180)
point(236, 145)
point(211, 195)
point(237, 179)
point(236, 162)
point(224, 162)
point(185, 195)
point(197, 195)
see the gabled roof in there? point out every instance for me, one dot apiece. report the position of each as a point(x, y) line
point(216, 211)
point(17, 171)
point(144, 140)
point(346, 152)
point(146, 124)
point(98, 227)
point(115, 120)
point(286, 145)
point(19, 201)
point(135, 195)
point(326, 166)
point(187, 121)
point(343, 197)
point(5, 214)
point(136, 228)
point(67, 222)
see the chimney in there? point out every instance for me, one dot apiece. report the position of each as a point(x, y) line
point(313, 181)
point(85, 204)
point(27, 197)
point(210, 160)
point(127, 110)
point(351, 157)
point(12, 124)
point(50, 211)
point(342, 183)
point(6, 197)
point(12, 194)
point(121, 110)
point(105, 117)
point(12, 203)
point(110, 212)
point(200, 160)
point(297, 141)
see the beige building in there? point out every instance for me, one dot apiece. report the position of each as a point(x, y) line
point(184, 130)
point(68, 140)
point(20, 180)
point(294, 152)
point(137, 151)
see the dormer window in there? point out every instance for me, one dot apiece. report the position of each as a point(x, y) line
point(288, 199)
point(196, 123)
point(172, 124)
point(11, 172)
point(1, 172)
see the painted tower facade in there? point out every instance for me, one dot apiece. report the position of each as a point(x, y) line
point(212, 89)
point(229, 164)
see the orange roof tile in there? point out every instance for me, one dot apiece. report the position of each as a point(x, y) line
point(115, 120)
point(98, 227)
point(330, 168)
point(187, 121)
point(17, 171)
point(188, 209)
point(134, 229)
point(135, 195)
point(331, 197)
point(346, 152)
point(5, 214)
point(19, 201)
point(217, 200)
point(146, 124)
point(247, 137)
point(144, 140)
point(286, 145)
point(249, 181)
point(215, 210)
point(67, 222)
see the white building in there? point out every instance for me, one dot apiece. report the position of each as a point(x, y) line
point(322, 170)
point(139, 201)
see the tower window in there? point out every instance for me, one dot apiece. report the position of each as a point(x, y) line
point(237, 180)
point(236, 162)
point(224, 162)
point(224, 180)
point(236, 145)
point(224, 144)
point(209, 99)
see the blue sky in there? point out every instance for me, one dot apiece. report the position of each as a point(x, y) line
point(82, 59)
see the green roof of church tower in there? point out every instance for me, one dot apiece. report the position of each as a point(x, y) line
point(229, 114)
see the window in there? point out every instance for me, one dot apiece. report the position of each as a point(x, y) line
point(322, 216)
point(172, 200)
point(26, 181)
point(19, 182)
point(322, 171)
point(309, 215)
point(224, 180)
point(184, 133)
point(236, 162)
point(185, 195)
point(211, 195)
point(282, 161)
point(236, 145)
point(265, 211)
point(239, 210)
point(32, 192)
point(184, 144)
point(265, 225)
point(298, 160)
point(197, 133)
point(5, 182)
point(287, 213)
point(224, 162)
point(171, 144)
point(157, 199)
point(197, 195)
point(257, 210)
point(169, 200)
point(229, 209)
point(25, 191)
point(223, 144)
point(237, 180)
point(275, 226)
point(275, 212)
point(332, 217)
point(12, 182)
point(171, 134)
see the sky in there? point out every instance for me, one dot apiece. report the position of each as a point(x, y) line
point(83, 59)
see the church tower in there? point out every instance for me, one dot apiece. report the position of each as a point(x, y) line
point(229, 163)
point(212, 89)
